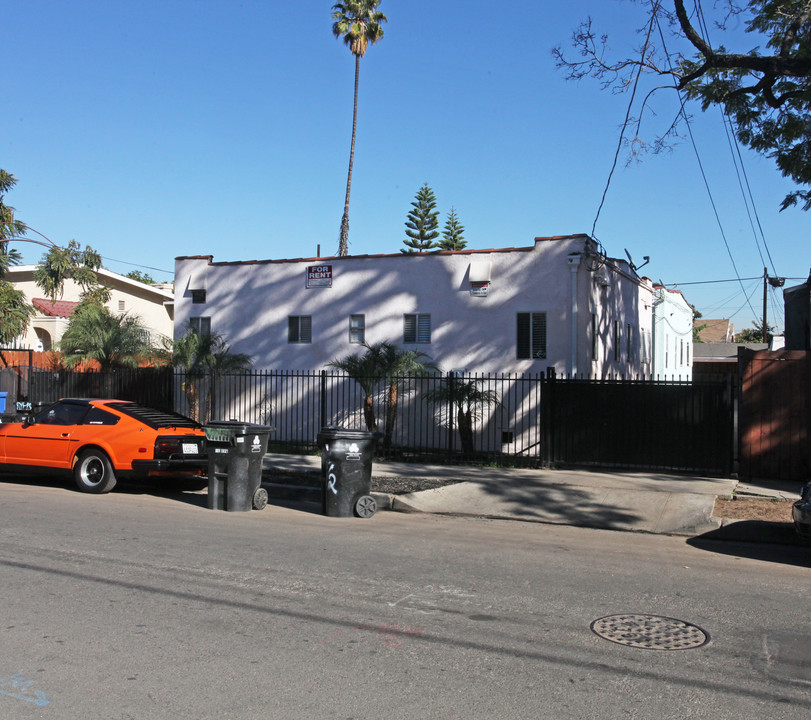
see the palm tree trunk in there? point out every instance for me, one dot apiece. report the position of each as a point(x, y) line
point(391, 415)
point(343, 245)
point(369, 414)
point(465, 421)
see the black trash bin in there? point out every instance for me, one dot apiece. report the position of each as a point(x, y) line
point(235, 452)
point(346, 469)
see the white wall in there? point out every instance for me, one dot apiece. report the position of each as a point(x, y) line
point(673, 336)
point(249, 304)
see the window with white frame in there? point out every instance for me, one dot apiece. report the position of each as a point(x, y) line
point(299, 329)
point(594, 336)
point(201, 325)
point(357, 328)
point(629, 342)
point(417, 328)
point(531, 335)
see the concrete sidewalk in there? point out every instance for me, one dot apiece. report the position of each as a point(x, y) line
point(639, 502)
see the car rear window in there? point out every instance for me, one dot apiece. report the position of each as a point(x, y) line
point(152, 417)
point(62, 413)
point(97, 416)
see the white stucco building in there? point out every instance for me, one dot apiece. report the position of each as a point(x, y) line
point(557, 303)
point(672, 335)
point(153, 304)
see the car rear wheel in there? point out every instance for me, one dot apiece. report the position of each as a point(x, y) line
point(94, 473)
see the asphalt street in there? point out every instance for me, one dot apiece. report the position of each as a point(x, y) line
point(141, 605)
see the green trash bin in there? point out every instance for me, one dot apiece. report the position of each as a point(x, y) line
point(235, 452)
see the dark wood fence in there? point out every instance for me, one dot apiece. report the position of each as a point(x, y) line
point(27, 387)
point(775, 414)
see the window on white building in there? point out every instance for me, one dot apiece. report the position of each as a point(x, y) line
point(299, 329)
point(357, 328)
point(594, 336)
point(531, 336)
point(417, 328)
point(202, 325)
point(629, 342)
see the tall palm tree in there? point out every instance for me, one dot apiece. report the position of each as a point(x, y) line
point(113, 341)
point(202, 356)
point(359, 23)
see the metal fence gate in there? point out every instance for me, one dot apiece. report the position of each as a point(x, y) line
point(681, 426)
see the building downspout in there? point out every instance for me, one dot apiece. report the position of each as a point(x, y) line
point(574, 264)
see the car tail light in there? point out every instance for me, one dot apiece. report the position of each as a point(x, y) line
point(169, 446)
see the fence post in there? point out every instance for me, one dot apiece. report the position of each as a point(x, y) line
point(546, 415)
point(323, 397)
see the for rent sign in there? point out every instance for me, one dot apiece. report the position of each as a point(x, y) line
point(319, 276)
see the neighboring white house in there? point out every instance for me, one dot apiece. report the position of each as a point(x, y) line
point(672, 335)
point(559, 303)
point(153, 304)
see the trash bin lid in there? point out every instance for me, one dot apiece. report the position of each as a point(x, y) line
point(338, 433)
point(225, 430)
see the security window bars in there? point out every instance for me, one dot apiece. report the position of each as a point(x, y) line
point(357, 328)
point(299, 329)
point(531, 336)
point(417, 328)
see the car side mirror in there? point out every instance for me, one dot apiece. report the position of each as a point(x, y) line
point(28, 420)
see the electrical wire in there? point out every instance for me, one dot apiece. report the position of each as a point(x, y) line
point(736, 151)
point(698, 158)
point(627, 118)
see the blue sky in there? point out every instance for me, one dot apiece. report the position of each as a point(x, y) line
point(154, 129)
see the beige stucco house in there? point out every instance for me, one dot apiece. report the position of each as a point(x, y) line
point(153, 304)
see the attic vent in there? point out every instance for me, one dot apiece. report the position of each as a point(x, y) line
point(479, 273)
point(479, 278)
point(198, 280)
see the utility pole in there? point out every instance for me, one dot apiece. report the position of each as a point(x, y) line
point(775, 282)
point(765, 286)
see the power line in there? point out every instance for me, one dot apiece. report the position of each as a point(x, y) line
point(627, 117)
point(733, 280)
point(146, 267)
point(698, 156)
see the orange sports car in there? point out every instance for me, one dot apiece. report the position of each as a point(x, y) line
point(102, 440)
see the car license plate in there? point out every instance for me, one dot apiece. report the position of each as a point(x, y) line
point(190, 449)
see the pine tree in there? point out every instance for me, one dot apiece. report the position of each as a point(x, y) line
point(422, 223)
point(452, 235)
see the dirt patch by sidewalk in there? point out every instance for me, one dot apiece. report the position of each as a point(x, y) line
point(404, 485)
point(764, 509)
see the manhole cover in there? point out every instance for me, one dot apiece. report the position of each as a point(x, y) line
point(650, 631)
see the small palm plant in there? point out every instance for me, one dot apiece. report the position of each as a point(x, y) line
point(383, 363)
point(362, 369)
point(203, 356)
point(113, 341)
point(468, 399)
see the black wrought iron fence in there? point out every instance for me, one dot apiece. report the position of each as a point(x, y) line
point(471, 415)
point(532, 417)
